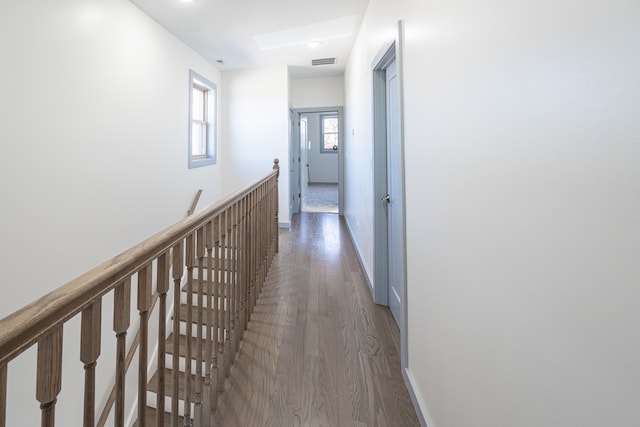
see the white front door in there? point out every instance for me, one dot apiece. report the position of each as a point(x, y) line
point(395, 193)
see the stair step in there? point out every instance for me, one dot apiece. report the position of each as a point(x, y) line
point(183, 343)
point(200, 285)
point(151, 417)
point(168, 383)
point(226, 265)
point(182, 314)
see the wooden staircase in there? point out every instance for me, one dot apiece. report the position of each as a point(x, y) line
point(198, 379)
point(220, 254)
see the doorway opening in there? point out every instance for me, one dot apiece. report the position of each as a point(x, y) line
point(320, 160)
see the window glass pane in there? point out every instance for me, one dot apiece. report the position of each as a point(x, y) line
point(198, 104)
point(330, 133)
point(330, 124)
point(330, 141)
point(198, 139)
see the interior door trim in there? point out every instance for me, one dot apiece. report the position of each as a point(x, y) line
point(390, 51)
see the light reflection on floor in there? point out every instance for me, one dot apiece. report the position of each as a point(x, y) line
point(331, 235)
point(321, 198)
point(323, 231)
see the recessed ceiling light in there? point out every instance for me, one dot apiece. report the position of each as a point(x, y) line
point(313, 45)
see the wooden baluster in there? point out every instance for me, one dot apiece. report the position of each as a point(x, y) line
point(234, 283)
point(215, 373)
point(260, 231)
point(239, 301)
point(269, 215)
point(276, 166)
point(222, 301)
point(3, 394)
point(247, 260)
point(257, 249)
point(245, 264)
point(227, 293)
point(254, 249)
point(259, 242)
point(274, 207)
point(209, 406)
point(176, 271)
point(49, 374)
point(270, 228)
point(90, 334)
point(162, 287)
point(189, 261)
point(144, 305)
point(263, 238)
point(121, 321)
point(276, 225)
point(256, 244)
point(250, 244)
point(200, 244)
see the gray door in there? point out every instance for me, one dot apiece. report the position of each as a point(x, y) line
point(395, 194)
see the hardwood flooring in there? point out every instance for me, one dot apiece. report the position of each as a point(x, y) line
point(318, 351)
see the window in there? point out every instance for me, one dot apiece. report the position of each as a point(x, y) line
point(202, 121)
point(329, 133)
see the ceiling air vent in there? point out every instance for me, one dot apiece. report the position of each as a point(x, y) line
point(323, 61)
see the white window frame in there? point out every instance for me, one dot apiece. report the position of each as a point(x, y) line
point(210, 90)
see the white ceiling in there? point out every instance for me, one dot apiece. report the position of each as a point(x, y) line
point(261, 33)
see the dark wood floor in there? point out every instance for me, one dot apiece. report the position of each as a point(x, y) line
point(318, 351)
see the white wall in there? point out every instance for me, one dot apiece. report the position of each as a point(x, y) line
point(318, 92)
point(358, 149)
point(93, 158)
point(255, 122)
point(522, 186)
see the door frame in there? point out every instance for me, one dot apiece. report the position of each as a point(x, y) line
point(294, 167)
point(390, 51)
point(300, 111)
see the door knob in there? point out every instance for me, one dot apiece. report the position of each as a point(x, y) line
point(386, 198)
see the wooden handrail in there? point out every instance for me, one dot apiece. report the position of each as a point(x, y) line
point(223, 253)
point(25, 327)
point(196, 199)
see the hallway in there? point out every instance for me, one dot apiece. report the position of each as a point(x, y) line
point(318, 351)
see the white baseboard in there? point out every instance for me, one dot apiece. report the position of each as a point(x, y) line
point(416, 397)
point(357, 249)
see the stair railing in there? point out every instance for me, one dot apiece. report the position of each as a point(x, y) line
point(131, 352)
point(226, 250)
